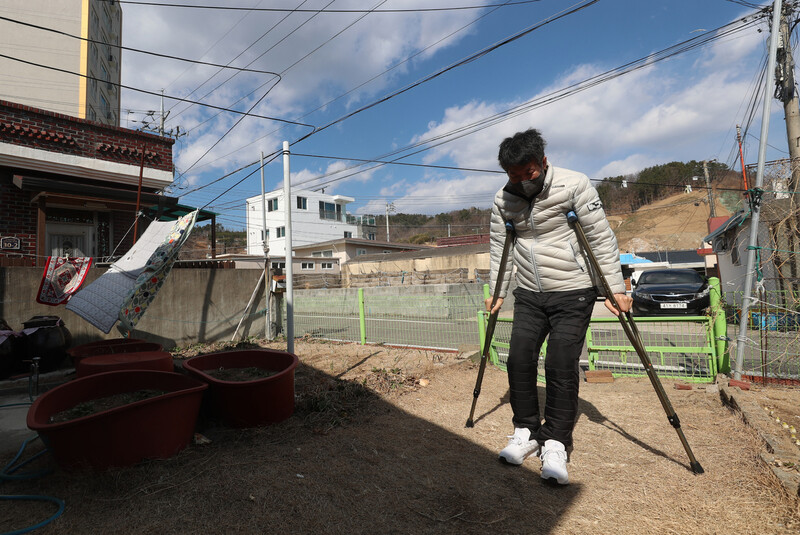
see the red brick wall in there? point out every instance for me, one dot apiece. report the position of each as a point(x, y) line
point(45, 130)
point(122, 233)
point(18, 219)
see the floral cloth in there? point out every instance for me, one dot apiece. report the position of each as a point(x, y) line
point(155, 273)
point(62, 278)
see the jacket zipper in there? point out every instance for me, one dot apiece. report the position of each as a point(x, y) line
point(533, 244)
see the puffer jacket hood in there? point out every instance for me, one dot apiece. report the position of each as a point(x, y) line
point(546, 251)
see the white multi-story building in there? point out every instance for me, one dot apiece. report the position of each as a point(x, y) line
point(75, 72)
point(316, 217)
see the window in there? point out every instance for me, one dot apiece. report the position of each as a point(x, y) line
point(279, 265)
point(317, 254)
point(272, 205)
point(348, 234)
point(302, 203)
point(371, 236)
point(280, 232)
point(307, 266)
point(327, 265)
point(264, 234)
point(329, 210)
point(359, 252)
point(328, 253)
point(386, 252)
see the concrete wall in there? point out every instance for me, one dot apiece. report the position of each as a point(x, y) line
point(194, 305)
point(206, 305)
point(470, 262)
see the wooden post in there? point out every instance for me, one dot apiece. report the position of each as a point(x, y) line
point(138, 198)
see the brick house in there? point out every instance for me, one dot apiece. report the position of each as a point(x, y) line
point(71, 186)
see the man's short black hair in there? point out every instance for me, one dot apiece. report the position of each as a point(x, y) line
point(521, 148)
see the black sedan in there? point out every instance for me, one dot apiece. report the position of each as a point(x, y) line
point(670, 292)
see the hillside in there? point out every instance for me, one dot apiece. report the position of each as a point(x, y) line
point(676, 222)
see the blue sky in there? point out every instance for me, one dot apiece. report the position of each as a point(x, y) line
point(333, 64)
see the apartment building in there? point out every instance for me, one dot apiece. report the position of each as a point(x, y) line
point(316, 217)
point(75, 72)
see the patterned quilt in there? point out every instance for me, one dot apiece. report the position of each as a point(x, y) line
point(100, 302)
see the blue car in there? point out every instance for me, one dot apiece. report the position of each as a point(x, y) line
point(670, 292)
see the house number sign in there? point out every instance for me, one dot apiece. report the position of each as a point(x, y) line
point(9, 242)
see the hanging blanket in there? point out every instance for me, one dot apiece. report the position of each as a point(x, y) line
point(62, 278)
point(99, 303)
point(155, 273)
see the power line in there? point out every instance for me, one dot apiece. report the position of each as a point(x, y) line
point(325, 10)
point(401, 163)
point(284, 71)
point(719, 33)
point(251, 63)
point(684, 46)
point(146, 92)
point(473, 57)
point(375, 77)
point(137, 50)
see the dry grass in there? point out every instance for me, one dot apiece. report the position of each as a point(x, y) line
point(378, 445)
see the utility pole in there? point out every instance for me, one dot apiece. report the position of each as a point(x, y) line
point(741, 157)
point(712, 213)
point(163, 117)
point(786, 92)
point(389, 208)
point(755, 200)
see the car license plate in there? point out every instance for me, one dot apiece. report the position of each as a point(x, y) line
point(673, 305)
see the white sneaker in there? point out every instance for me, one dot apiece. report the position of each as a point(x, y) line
point(554, 462)
point(519, 446)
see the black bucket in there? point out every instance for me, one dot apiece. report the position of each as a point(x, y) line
point(49, 341)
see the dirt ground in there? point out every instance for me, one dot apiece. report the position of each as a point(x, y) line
point(377, 444)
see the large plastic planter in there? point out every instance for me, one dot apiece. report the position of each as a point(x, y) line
point(248, 403)
point(143, 360)
point(107, 347)
point(87, 349)
point(154, 428)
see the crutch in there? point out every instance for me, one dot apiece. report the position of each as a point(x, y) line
point(632, 331)
point(487, 344)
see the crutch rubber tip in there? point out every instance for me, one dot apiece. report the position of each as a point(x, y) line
point(696, 468)
point(470, 423)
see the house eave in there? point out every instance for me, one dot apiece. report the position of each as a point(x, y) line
point(32, 159)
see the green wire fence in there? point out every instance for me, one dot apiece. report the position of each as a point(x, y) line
point(690, 348)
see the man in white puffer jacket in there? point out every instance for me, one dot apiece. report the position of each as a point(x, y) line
point(555, 294)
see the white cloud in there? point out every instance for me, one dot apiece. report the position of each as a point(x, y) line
point(317, 64)
point(630, 165)
point(654, 115)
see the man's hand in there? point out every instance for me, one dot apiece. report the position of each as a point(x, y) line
point(623, 300)
point(497, 305)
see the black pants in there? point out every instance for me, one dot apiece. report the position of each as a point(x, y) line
point(565, 317)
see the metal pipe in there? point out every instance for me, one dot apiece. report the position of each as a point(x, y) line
point(755, 200)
